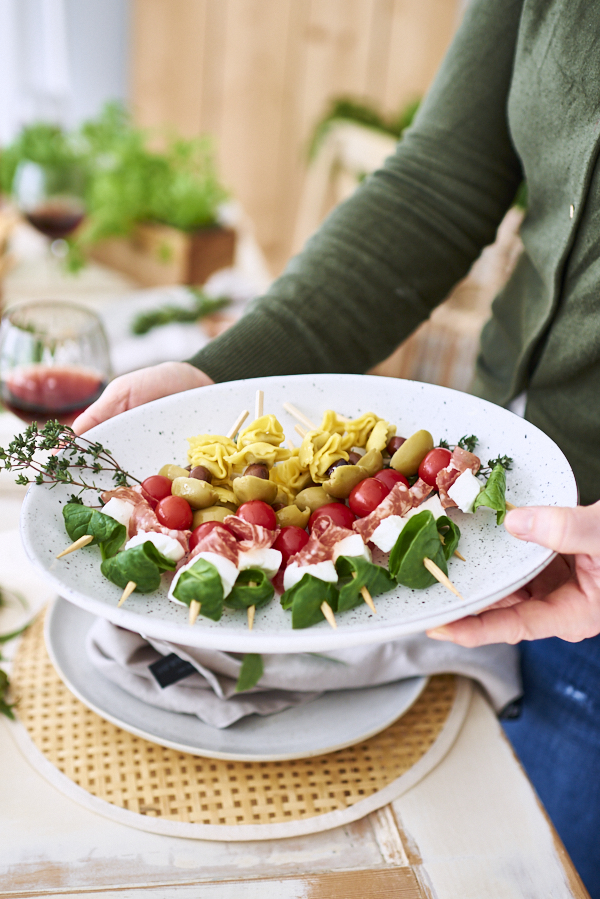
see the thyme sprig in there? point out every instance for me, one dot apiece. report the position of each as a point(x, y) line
point(77, 457)
point(467, 443)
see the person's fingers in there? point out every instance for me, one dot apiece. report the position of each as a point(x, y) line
point(139, 387)
point(562, 529)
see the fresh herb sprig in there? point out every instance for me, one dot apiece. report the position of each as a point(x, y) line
point(170, 313)
point(77, 457)
point(467, 443)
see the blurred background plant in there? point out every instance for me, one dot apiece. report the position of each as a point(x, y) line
point(348, 109)
point(125, 181)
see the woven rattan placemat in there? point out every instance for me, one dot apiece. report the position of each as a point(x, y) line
point(203, 795)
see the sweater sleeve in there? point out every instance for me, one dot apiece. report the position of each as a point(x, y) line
point(386, 257)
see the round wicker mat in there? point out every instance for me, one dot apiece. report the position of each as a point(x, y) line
point(152, 787)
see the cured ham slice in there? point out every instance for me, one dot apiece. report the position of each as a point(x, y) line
point(220, 541)
point(250, 536)
point(461, 460)
point(324, 536)
point(143, 517)
point(398, 502)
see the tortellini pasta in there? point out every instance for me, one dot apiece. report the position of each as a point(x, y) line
point(214, 452)
point(258, 452)
point(265, 429)
point(291, 476)
point(319, 451)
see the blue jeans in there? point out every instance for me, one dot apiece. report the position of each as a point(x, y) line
point(557, 738)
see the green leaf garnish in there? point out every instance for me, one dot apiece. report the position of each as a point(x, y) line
point(250, 672)
point(202, 583)
point(109, 534)
point(418, 539)
point(494, 493)
point(450, 534)
point(141, 564)
point(356, 573)
point(252, 588)
point(305, 599)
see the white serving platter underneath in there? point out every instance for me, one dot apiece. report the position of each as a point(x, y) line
point(330, 722)
point(144, 439)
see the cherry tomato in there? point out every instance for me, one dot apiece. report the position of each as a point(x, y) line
point(202, 530)
point(290, 540)
point(435, 460)
point(390, 477)
point(174, 512)
point(257, 512)
point(366, 496)
point(338, 512)
point(155, 488)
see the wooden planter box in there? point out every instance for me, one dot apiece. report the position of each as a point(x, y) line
point(157, 254)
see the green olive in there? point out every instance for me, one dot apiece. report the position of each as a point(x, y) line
point(174, 471)
point(249, 487)
point(371, 462)
point(343, 480)
point(199, 494)
point(311, 498)
point(291, 515)
point(407, 459)
point(213, 513)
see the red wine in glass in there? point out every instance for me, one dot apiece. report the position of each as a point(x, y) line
point(55, 218)
point(47, 393)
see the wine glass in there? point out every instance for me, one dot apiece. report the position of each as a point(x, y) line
point(54, 360)
point(50, 196)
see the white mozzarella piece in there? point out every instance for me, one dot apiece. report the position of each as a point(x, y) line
point(385, 535)
point(228, 572)
point(352, 545)
point(267, 560)
point(432, 505)
point(294, 573)
point(465, 490)
point(118, 509)
point(167, 546)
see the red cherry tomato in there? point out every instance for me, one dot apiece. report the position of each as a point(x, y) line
point(155, 488)
point(338, 512)
point(434, 462)
point(174, 512)
point(202, 530)
point(257, 512)
point(290, 540)
point(390, 477)
point(366, 496)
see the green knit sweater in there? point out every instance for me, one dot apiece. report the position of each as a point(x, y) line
point(518, 94)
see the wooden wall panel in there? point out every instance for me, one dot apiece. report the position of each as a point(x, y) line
point(258, 74)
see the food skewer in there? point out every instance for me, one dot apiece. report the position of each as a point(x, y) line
point(251, 611)
point(237, 424)
point(291, 444)
point(259, 404)
point(131, 585)
point(328, 614)
point(439, 575)
point(300, 431)
point(195, 607)
point(366, 596)
point(510, 507)
point(299, 416)
point(83, 541)
point(459, 556)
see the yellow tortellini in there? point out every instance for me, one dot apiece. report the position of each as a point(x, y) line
point(319, 451)
point(380, 436)
point(214, 452)
point(311, 443)
point(258, 452)
point(333, 423)
point(291, 476)
point(358, 430)
point(265, 429)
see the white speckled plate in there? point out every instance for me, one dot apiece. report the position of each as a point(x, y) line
point(330, 722)
point(146, 438)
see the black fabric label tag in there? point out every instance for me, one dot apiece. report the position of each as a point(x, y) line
point(171, 669)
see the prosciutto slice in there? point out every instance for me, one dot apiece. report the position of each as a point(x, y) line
point(324, 536)
point(143, 517)
point(398, 502)
point(220, 541)
point(461, 460)
point(250, 536)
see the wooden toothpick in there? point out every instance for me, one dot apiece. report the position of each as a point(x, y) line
point(290, 444)
point(510, 507)
point(259, 405)
point(299, 416)
point(366, 596)
point(439, 575)
point(237, 424)
point(83, 541)
point(251, 611)
point(459, 556)
point(328, 614)
point(131, 585)
point(195, 607)
point(300, 431)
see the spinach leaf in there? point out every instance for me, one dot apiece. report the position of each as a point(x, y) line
point(108, 533)
point(142, 564)
point(305, 598)
point(5, 708)
point(418, 539)
point(493, 494)
point(252, 588)
point(250, 672)
point(201, 582)
point(375, 578)
point(450, 533)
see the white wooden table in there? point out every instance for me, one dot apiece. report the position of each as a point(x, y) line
point(472, 828)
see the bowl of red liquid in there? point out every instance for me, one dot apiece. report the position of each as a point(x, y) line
point(54, 360)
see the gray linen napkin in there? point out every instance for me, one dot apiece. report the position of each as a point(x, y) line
point(288, 680)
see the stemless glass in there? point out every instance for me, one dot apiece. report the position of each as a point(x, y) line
point(54, 361)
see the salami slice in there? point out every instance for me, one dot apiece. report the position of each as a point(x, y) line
point(461, 460)
point(324, 536)
point(250, 536)
point(143, 517)
point(220, 541)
